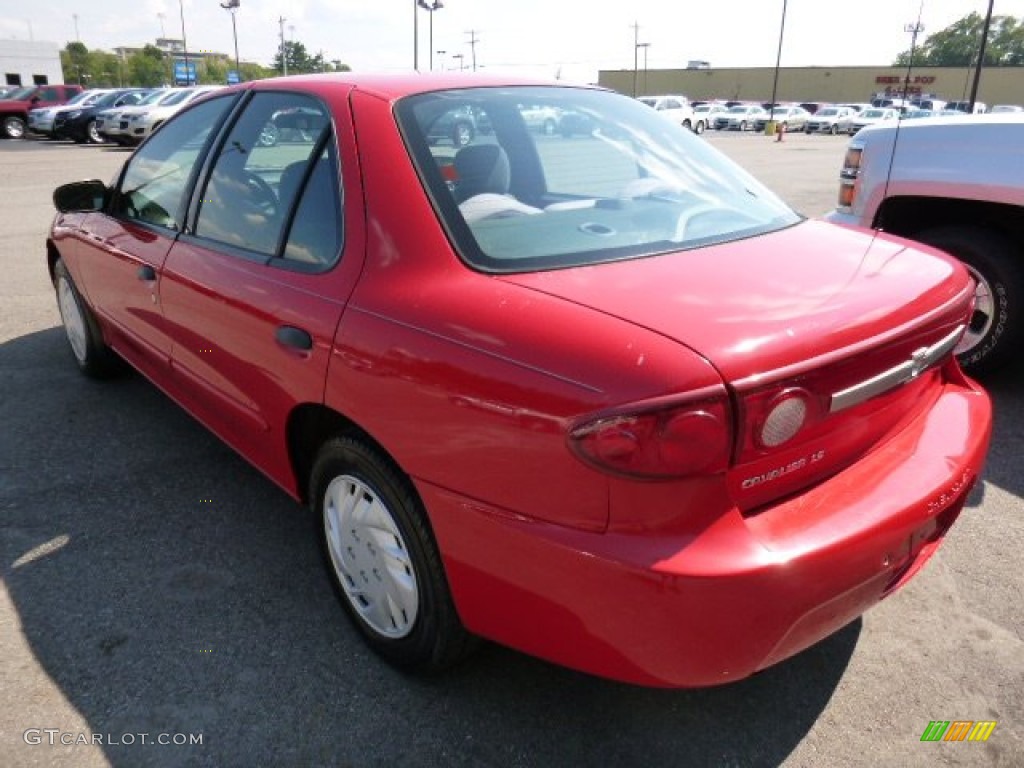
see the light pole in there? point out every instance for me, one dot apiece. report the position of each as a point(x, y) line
point(778, 60)
point(645, 46)
point(981, 56)
point(460, 57)
point(232, 5)
point(441, 54)
point(75, 17)
point(184, 41)
point(430, 6)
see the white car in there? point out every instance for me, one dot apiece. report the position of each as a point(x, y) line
point(143, 124)
point(113, 124)
point(40, 120)
point(872, 116)
point(741, 117)
point(541, 118)
point(675, 108)
point(791, 119)
point(831, 120)
point(704, 116)
point(1006, 108)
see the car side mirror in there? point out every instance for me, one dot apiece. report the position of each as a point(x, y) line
point(80, 196)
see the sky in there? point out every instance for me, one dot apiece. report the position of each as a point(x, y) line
point(569, 39)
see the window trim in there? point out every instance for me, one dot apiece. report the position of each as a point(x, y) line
point(190, 184)
point(275, 259)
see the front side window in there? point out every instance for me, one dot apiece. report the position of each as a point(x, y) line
point(156, 178)
point(615, 181)
point(261, 168)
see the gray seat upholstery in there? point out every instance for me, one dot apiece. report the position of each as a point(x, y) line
point(481, 168)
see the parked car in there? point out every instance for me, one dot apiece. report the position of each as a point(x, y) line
point(965, 106)
point(144, 123)
point(871, 117)
point(789, 118)
point(831, 120)
point(457, 126)
point(742, 117)
point(1006, 108)
point(705, 114)
point(40, 119)
point(80, 123)
point(813, 107)
point(953, 183)
point(612, 402)
point(674, 107)
point(15, 107)
point(542, 118)
point(114, 124)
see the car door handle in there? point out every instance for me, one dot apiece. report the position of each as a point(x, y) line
point(290, 336)
point(146, 273)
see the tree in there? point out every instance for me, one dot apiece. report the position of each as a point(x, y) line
point(957, 45)
point(300, 62)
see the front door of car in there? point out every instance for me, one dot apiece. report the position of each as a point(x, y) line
point(125, 246)
point(254, 292)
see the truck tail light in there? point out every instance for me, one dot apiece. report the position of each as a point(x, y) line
point(658, 440)
point(849, 175)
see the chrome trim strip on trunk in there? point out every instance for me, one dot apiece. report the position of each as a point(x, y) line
point(920, 360)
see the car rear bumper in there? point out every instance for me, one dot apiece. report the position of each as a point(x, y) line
point(709, 606)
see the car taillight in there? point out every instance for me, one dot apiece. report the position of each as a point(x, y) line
point(658, 440)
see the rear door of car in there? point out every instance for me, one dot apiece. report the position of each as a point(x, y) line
point(254, 291)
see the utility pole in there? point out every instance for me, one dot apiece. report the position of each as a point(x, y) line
point(75, 17)
point(473, 40)
point(636, 49)
point(981, 56)
point(284, 51)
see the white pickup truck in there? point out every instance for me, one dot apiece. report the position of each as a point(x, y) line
point(956, 183)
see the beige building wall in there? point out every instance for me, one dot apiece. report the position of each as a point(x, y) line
point(999, 85)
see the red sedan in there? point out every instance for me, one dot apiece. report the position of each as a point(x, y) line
point(602, 398)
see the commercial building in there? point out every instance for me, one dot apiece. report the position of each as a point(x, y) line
point(30, 62)
point(999, 85)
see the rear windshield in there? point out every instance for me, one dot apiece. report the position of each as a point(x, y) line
point(611, 180)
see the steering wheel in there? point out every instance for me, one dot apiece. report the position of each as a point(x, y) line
point(262, 195)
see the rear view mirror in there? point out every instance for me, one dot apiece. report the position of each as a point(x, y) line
point(80, 196)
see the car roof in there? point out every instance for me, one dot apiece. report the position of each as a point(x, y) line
point(396, 86)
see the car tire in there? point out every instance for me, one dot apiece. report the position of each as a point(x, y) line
point(14, 127)
point(93, 357)
point(382, 559)
point(687, 125)
point(997, 326)
point(462, 133)
point(93, 135)
point(833, 129)
point(743, 125)
point(698, 127)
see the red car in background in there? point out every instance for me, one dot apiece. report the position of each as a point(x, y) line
point(604, 399)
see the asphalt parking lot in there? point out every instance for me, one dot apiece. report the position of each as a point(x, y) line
point(154, 583)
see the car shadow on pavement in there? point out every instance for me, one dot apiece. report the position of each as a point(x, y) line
point(163, 586)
